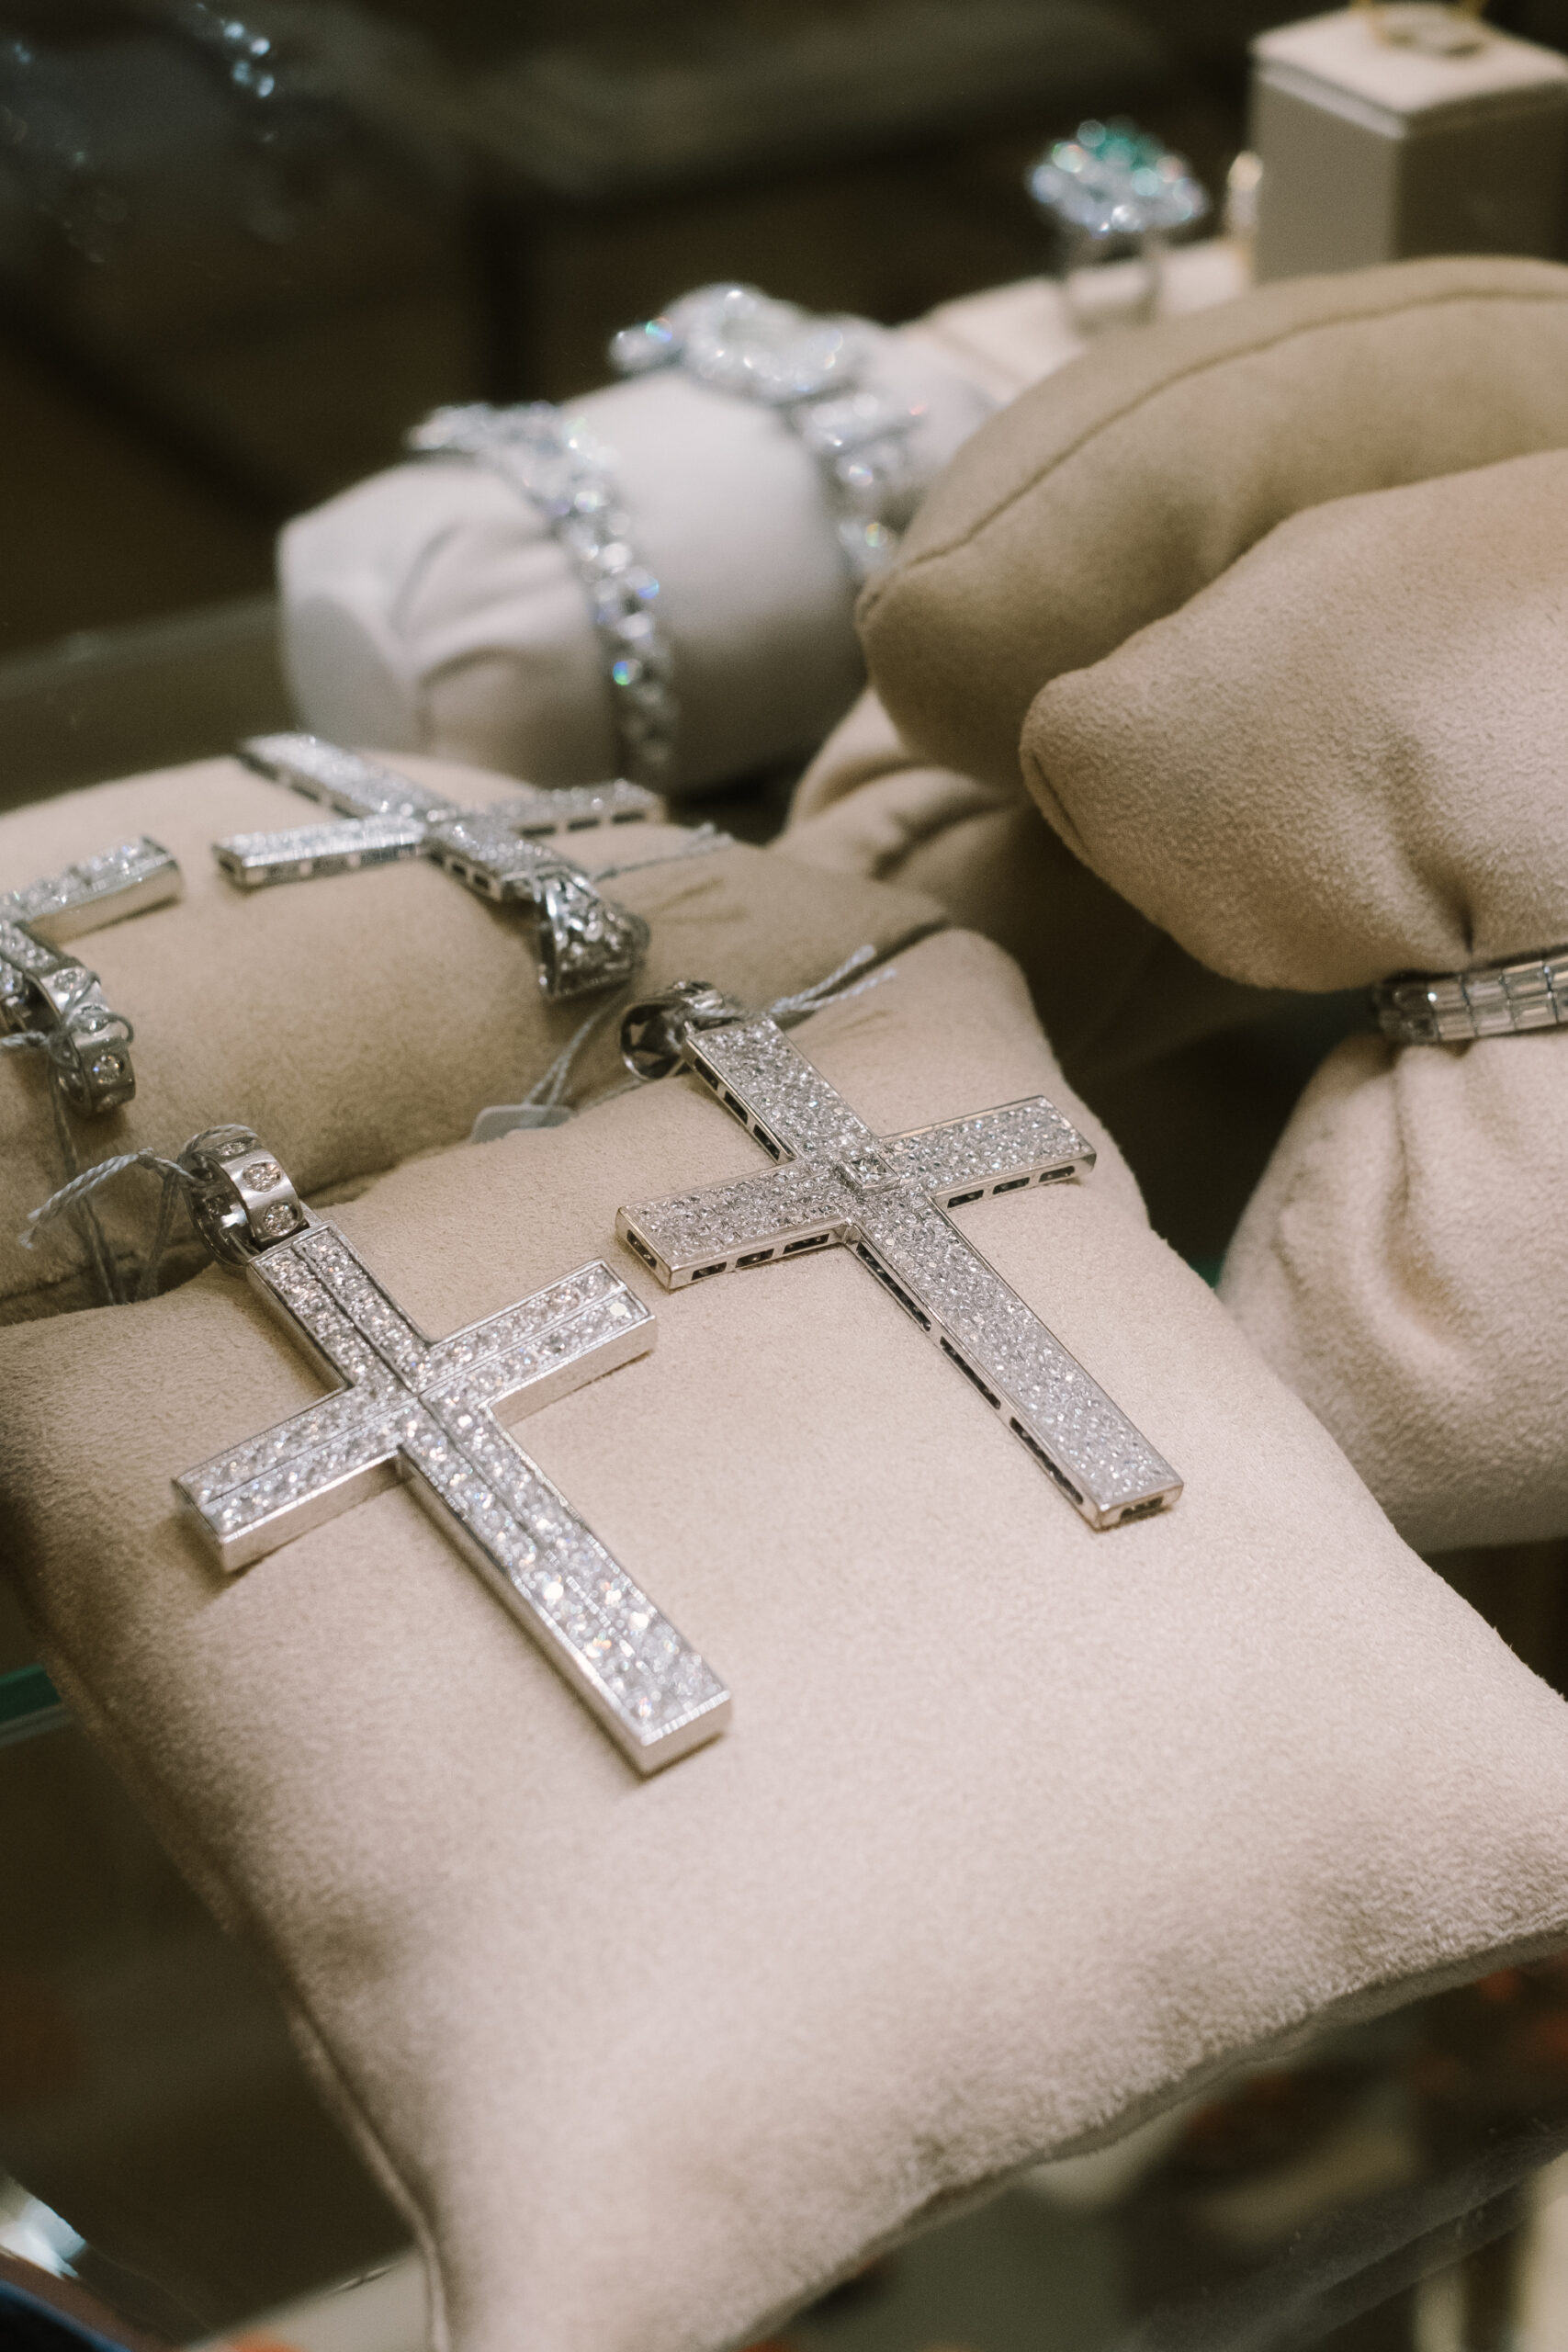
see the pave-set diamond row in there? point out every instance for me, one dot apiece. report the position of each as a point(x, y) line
point(426, 1411)
point(54, 995)
point(810, 370)
point(585, 940)
point(1494, 1000)
point(887, 1199)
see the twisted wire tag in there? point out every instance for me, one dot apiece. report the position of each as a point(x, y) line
point(74, 1199)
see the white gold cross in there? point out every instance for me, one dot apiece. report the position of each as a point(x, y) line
point(56, 996)
point(586, 941)
point(885, 1199)
point(426, 1411)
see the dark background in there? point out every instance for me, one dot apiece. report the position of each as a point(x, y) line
point(219, 305)
point(220, 302)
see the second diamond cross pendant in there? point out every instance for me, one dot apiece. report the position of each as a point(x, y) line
point(886, 1198)
point(505, 853)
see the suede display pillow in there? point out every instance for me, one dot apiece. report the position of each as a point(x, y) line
point(1021, 1832)
point(361, 1017)
point(1113, 991)
point(1343, 760)
point(1107, 496)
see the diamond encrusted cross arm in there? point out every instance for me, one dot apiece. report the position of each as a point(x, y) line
point(430, 1412)
point(52, 992)
point(507, 853)
point(357, 786)
point(125, 880)
point(887, 1199)
point(585, 940)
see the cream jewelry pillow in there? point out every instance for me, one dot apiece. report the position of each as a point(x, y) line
point(1345, 760)
point(1113, 991)
point(360, 1017)
point(431, 607)
point(1021, 1832)
point(1110, 494)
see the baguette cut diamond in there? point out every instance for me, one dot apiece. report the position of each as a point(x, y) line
point(1494, 1000)
point(427, 1411)
point(507, 853)
point(887, 1199)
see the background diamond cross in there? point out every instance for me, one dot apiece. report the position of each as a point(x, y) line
point(508, 852)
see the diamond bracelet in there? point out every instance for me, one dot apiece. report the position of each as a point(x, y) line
point(1495, 1000)
point(809, 370)
point(556, 463)
point(735, 340)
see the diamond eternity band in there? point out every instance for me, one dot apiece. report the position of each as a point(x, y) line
point(1495, 1000)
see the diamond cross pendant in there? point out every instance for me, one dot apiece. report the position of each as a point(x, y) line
point(55, 994)
point(426, 1411)
point(885, 1199)
point(586, 941)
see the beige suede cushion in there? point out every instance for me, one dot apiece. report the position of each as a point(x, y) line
point(1112, 991)
point(1111, 492)
point(360, 1017)
point(1345, 758)
point(1021, 1832)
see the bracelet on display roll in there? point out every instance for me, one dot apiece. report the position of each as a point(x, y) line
point(1495, 1000)
point(810, 370)
point(556, 463)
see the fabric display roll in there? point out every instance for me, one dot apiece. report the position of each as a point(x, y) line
point(432, 607)
point(1021, 1831)
point(1113, 990)
point(1394, 802)
point(1108, 495)
point(435, 607)
point(1099, 500)
point(360, 1017)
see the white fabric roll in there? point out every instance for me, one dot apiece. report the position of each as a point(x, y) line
point(431, 609)
point(432, 605)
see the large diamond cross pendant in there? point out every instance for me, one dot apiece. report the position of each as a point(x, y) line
point(426, 1411)
point(54, 994)
point(885, 1199)
point(505, 852)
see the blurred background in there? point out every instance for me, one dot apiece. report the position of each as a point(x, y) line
point(242, 249)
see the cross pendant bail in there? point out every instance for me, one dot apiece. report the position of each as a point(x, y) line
point(885, 1198)
point(57, 996)
point(508, 852)
point(428, 1412)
